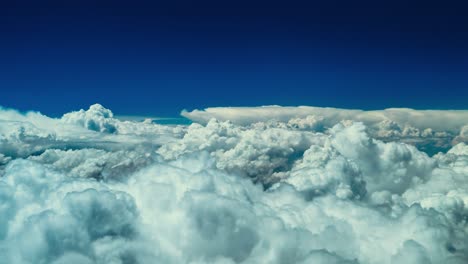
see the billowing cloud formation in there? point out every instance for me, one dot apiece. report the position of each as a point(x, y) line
point(433, 130)
point(439, 120)
point(90, 188)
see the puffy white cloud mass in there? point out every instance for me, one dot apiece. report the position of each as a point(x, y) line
point(240, 186)
point(431, 130)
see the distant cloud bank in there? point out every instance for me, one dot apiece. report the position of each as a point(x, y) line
point(240, 185)
point(439, 129)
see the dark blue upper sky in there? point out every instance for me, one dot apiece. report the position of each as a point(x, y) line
point(159, 57)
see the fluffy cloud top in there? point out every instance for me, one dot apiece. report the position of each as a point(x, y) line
point(440, 129)
point(90, 188)
point(439, 120)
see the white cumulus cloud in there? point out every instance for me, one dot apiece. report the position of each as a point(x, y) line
point(257, 185)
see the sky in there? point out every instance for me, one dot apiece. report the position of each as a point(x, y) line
point(160, 57)
point(253, 184)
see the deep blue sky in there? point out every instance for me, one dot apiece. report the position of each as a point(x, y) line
point(158, 57)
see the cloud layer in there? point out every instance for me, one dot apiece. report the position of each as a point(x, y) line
point(240, 188)
point(433, 130)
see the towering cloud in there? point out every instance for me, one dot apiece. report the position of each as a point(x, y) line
point(255, 185)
